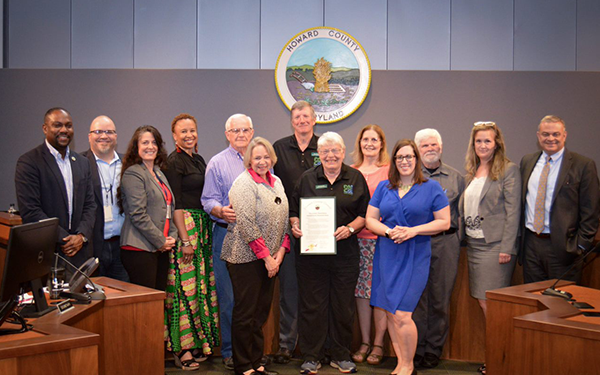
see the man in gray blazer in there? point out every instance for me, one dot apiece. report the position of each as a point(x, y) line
point(105, 165)
point(561, 206)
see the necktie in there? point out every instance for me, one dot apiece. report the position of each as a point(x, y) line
point(540, 199)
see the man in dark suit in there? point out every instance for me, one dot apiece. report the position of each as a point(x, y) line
point(53, 181)
point(561, 206)
point(106, 165)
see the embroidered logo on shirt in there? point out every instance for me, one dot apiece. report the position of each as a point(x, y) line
point(316, 158)
point(324, 186)
point(349, 189)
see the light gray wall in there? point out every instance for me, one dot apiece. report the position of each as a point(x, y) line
point(402, 102)
point(520, 35)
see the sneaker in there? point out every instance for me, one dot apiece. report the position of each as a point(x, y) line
point(310, 367)
point(228, 363)
point(346, 367)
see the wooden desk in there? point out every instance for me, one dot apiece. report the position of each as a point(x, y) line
point(528, 333)
point(120, 335)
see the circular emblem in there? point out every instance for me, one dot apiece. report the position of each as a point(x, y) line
point(326, 67)
point(40, 257)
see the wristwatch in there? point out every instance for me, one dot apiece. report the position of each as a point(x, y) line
point(186, 243)
point(350, 229)
point(387, 233)
point(83, 237)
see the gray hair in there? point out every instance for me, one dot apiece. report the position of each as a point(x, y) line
point(237, 116)
point(426, 133)
point(330, 137)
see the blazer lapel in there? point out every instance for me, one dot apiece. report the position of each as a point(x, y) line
point(527, 173)
point(562, 174)
point(51, 162)
point(486, 187)
point(95, 176)
point(76, 177)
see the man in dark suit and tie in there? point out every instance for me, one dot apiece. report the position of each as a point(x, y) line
point(106, 165)
point(561, 206)
point(53, 181)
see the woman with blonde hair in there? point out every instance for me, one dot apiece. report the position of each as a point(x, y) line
point(254, 248)
point(371, 158)
point(490, 208)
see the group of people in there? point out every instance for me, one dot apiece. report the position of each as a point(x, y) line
point(223, 231)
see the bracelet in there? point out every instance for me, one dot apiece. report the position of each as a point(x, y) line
point(186, 243)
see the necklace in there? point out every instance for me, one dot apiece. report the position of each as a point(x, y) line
point(405, 188)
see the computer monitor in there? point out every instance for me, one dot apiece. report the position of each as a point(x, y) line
point(28, 261)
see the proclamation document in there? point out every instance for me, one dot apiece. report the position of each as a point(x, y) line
point(317, 222)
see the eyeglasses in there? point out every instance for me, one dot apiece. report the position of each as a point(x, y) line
point(372, 140)
point(107, 132)
point(240, 130)
point(335, 151)
point(400, 158)
point(485, 123)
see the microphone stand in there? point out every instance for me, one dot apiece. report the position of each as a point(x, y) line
point(96, 294)
point(552, 291)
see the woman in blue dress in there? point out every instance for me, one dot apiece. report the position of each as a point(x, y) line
point(411, 209)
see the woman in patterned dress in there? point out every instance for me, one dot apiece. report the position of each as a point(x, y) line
point(191, 310)
point(371, 158)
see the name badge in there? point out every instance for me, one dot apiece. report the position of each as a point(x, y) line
point(324, 186)
point(108, 216)
point(169, 211)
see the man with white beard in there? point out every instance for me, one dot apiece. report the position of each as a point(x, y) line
point(431, 314)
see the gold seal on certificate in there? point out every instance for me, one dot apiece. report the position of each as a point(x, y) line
point(317, 221)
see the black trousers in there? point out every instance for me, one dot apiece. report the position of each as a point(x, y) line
point(146, 268)
point(252, 294)
point(432, 313)
point(326, 304)
point(541, 262)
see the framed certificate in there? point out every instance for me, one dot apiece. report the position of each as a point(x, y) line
point(317, 222)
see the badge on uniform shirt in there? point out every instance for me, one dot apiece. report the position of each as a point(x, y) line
point(349, 189)
point(108, 217)
point(324, 186)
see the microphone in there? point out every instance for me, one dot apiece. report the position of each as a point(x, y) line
point(552, 291)
point(89, 266)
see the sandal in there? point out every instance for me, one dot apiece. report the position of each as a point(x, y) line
point(375, 359)
point(199, 356)
point(358, 356)
point(481, 369)
point(185, 364)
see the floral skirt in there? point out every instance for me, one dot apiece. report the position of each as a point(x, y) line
point(363, 285)
point(191, 309)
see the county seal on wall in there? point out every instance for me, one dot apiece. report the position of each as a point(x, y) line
point(327, 68)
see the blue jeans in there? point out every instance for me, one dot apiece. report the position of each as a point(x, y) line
point(110, 262)
point(224, 290)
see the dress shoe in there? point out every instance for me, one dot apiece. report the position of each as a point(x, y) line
point(264, 361)
point(418, 361)
point(283, 356)
point(430, 360)
point(265, 372)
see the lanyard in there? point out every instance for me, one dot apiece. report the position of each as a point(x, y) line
point(109, 189)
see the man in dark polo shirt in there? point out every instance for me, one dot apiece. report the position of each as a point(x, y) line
point(295, 154)
point(432, 313)
point(326, 282)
